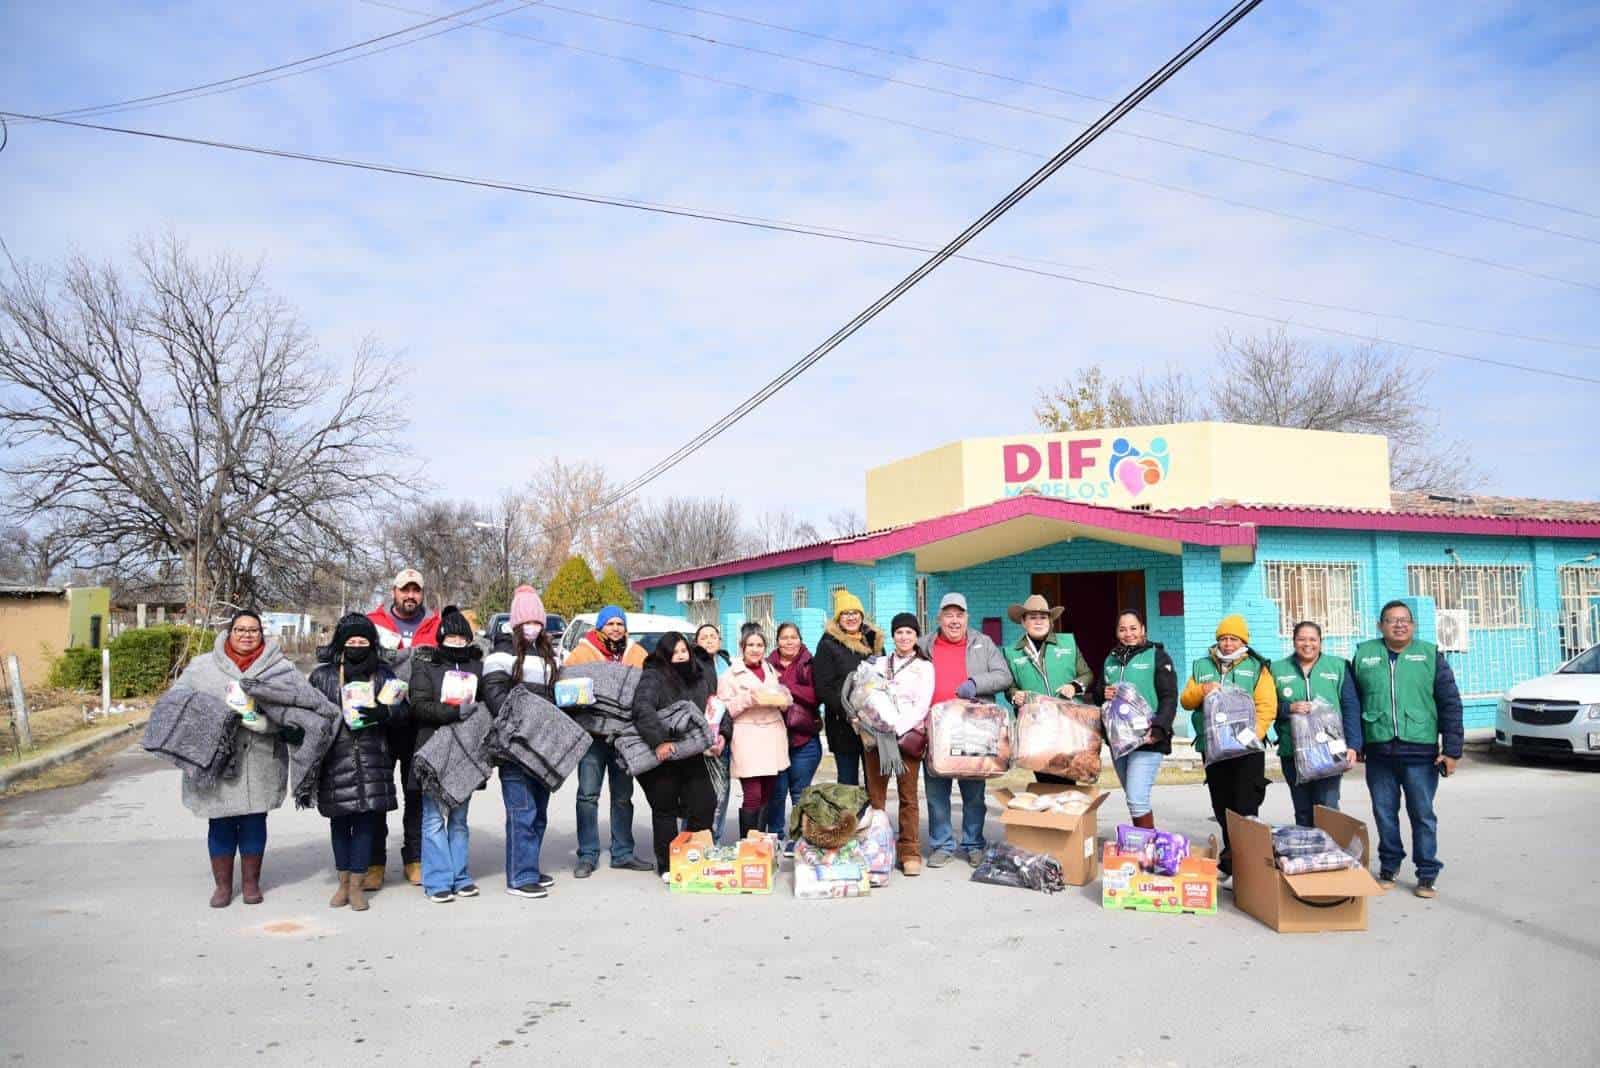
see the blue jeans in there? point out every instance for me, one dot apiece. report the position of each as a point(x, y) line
point(354, 840)
point(1137, 774)
point(1386, 779)
point(848, 766)
point(245, 835)
point(444, 846)
point(972, 812)
point(527, 802)
point(603, 760)
point(792, 782)
point(1308, 796)
point(721, 816)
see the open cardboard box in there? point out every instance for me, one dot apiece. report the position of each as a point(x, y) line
point(691, 871)
point(1316, 901)
point(1069, 839)
point(1125, 885)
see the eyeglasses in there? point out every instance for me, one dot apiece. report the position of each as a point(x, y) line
point(1392, 622)
point(243, 631)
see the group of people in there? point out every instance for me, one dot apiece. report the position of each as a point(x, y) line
point(1397, 698)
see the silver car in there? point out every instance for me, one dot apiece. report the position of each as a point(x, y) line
point(1554, 715)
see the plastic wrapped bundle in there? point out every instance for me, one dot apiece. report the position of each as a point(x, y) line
point(773, 695)
point(1333, 860)
point(876, 838)
point(1006, 865)
point(1319, 746)
point(969, 740)
point(1170, 850)
point(1127, 718)
point(1229, 714)
point(1059, 737)
point(1301, 841)
point(1137, 841)
point(871, 702)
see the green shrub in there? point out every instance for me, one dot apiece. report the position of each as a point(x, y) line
point(614, 591)
point(143, 661)
point(573, 589)
point(76, 669)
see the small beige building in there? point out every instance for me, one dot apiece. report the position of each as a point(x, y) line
point(38, 622)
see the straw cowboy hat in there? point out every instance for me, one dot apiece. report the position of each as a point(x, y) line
point(1036, 603)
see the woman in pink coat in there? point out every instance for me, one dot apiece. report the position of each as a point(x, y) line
point(760, 739)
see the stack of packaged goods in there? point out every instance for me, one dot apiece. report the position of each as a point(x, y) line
point(1006, 865)
point(1299, 850)
point(1150, 870)
point(830, 860)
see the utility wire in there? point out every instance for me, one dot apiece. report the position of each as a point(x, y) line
point(1173, 116)
point(837, 234)
point(1025, 152)
point(1057, 116)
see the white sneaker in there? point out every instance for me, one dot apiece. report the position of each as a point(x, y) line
point(1225, 882)
point(666, 877)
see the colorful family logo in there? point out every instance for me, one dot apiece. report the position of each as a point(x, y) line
point(1134, 470)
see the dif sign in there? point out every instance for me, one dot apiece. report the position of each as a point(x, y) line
point(1090, 468)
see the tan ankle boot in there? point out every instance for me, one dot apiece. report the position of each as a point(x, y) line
point(341, 896)
point(373, 880)
point(358, 896)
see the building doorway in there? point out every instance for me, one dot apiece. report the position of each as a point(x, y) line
point(1092, 600)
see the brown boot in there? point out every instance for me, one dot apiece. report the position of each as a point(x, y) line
point(222, 874)
point(373, 880)
point(358, 896)
point(341, 896)
point(414, 872)
point(250, 878)
point(1147, 821)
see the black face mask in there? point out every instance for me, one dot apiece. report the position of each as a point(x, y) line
point(359, 661)
point(458, 654)
point(686, 670)
point(617, 646)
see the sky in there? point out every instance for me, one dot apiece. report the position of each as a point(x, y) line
point(532, 327)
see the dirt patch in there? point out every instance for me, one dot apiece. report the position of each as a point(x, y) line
point(61, 722)
point(73, 773)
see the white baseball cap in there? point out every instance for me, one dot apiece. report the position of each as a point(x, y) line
point(408, 576)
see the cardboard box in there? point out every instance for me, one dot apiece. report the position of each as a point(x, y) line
point(1317, 901)
point(1124, 885)
point(1069, 839)
point(698, 866)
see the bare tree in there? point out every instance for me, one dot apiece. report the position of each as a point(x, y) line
point(441, 539)
point(182, 412)
point(675, 533)
point(1087, 402)
point(566, 506)
point(33, 557)
point(845, 521)
point(781, 529)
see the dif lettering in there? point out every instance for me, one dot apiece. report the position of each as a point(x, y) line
point(1023, 463)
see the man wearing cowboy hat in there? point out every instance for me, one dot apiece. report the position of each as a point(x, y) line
point(1042, 662)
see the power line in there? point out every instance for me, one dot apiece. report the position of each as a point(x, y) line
point(1028, 153)
point(1057, 116)
point(836, 234)
point(1173, 116)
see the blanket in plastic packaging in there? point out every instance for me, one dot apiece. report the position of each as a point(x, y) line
point(1229, 714)
point(969, 740)
point(1127, 718)
point(1059, 737)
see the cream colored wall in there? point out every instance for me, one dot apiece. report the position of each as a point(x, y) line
point(917, 487)
point(35, 629)
point(1310, 467)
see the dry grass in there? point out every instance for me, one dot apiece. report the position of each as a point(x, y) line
point(60, 723)
point(74, 773)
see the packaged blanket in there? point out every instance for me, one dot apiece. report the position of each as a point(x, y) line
point(540, 737)
point(1229, 715)
point(1301, 841)
point(614, 686)
point(194, 730)
point(1059, 737)
point(876, 837)
point(869, 702)
point(1333, 860)
point(1006, 865)
point(455, 761)
point(969, 740)
point(1127, 718)
point(1319, 745)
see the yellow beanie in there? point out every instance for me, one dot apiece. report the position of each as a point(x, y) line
point(1236, 626)
point(845, 601)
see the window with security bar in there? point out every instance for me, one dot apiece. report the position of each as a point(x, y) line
point(1580, 609)
point(758, 610)
point(1324, 593)
point(799, 598)
point(702, 612)
point(1491, 595)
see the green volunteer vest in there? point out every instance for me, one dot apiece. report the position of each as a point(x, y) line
point(1242, 675)
point(1324, 680)
point(1140, 673)
point(1397, 700)
point(1060, 666)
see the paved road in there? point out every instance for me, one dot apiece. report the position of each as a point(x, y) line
point(112, 957)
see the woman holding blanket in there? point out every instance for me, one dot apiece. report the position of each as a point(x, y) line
point(1299, 680)
point(792, 660)
point(524, 658)
point(910, 676)
point(356, 784)
point(679, 788)
point(1144, 665)
point(846, 641)
point(237, 804)
point(444, 678)
point(760, 740)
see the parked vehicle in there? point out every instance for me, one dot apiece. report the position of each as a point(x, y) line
point(1556, 714)
point(642, 628)
point(555, 624)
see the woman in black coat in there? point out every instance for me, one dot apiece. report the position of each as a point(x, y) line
point(678, 787)
point(441, 678)
point(356, 784)
point(846, 642)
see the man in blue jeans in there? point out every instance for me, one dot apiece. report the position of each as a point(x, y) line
point(966, 665)
point(1411, 723)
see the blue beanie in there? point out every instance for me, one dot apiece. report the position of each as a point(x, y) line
point(607, 614)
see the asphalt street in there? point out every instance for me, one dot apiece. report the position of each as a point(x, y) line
point(112, 956)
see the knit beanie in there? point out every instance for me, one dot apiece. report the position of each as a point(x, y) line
point(845, 601)
point(452, 624)
point(905, 619)
point(1236, 626)
point(354, 625)
point(607, 614)
point(527, 607)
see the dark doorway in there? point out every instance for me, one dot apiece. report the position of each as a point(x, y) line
point(1092, 600)
point(94, 632)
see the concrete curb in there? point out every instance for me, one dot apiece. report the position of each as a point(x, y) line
point(77, 751)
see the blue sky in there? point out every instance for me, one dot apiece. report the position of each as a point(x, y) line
point(534, 327)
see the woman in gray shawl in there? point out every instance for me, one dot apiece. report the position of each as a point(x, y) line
point(257, 777)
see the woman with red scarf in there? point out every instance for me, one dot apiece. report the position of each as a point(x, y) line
point(237, 803)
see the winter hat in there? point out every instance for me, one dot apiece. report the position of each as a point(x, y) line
point(354, 625)
point(607, 614)
point(845, 601)
point(905, 619)
point(452, 624)
point(1236, 626)
point(527, 607)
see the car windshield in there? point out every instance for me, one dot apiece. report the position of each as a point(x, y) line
point(1585, 663)
point(647, 642)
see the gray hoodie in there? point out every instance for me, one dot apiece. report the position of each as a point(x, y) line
point(986, 664)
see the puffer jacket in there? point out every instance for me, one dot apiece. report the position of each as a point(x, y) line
point(836, 657)
point(658, 689)
point(427, 712)
point(358, 773)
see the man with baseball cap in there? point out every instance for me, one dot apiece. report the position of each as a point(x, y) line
point(405, 621)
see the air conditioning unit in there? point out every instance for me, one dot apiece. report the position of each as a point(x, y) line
point(1450, 626)
point(685, 592)
point(702, 591)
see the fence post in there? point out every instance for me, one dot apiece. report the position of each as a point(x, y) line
point(105, 682)
point(19, 706)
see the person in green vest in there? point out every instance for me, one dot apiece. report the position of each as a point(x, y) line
point(1411, 723)
point(1146, 667)
point(1043, 662)
point(1300, 679)
point(1240, 784)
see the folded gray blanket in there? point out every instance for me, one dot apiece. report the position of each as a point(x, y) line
point(539, 736)
point(194, 730)
point(684, 723)
point(455, 761)
point(614, 686)
point(287, 697)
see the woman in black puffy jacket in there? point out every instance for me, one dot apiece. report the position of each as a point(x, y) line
point(678, 787)
point(355, 786)
point(444, 680)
